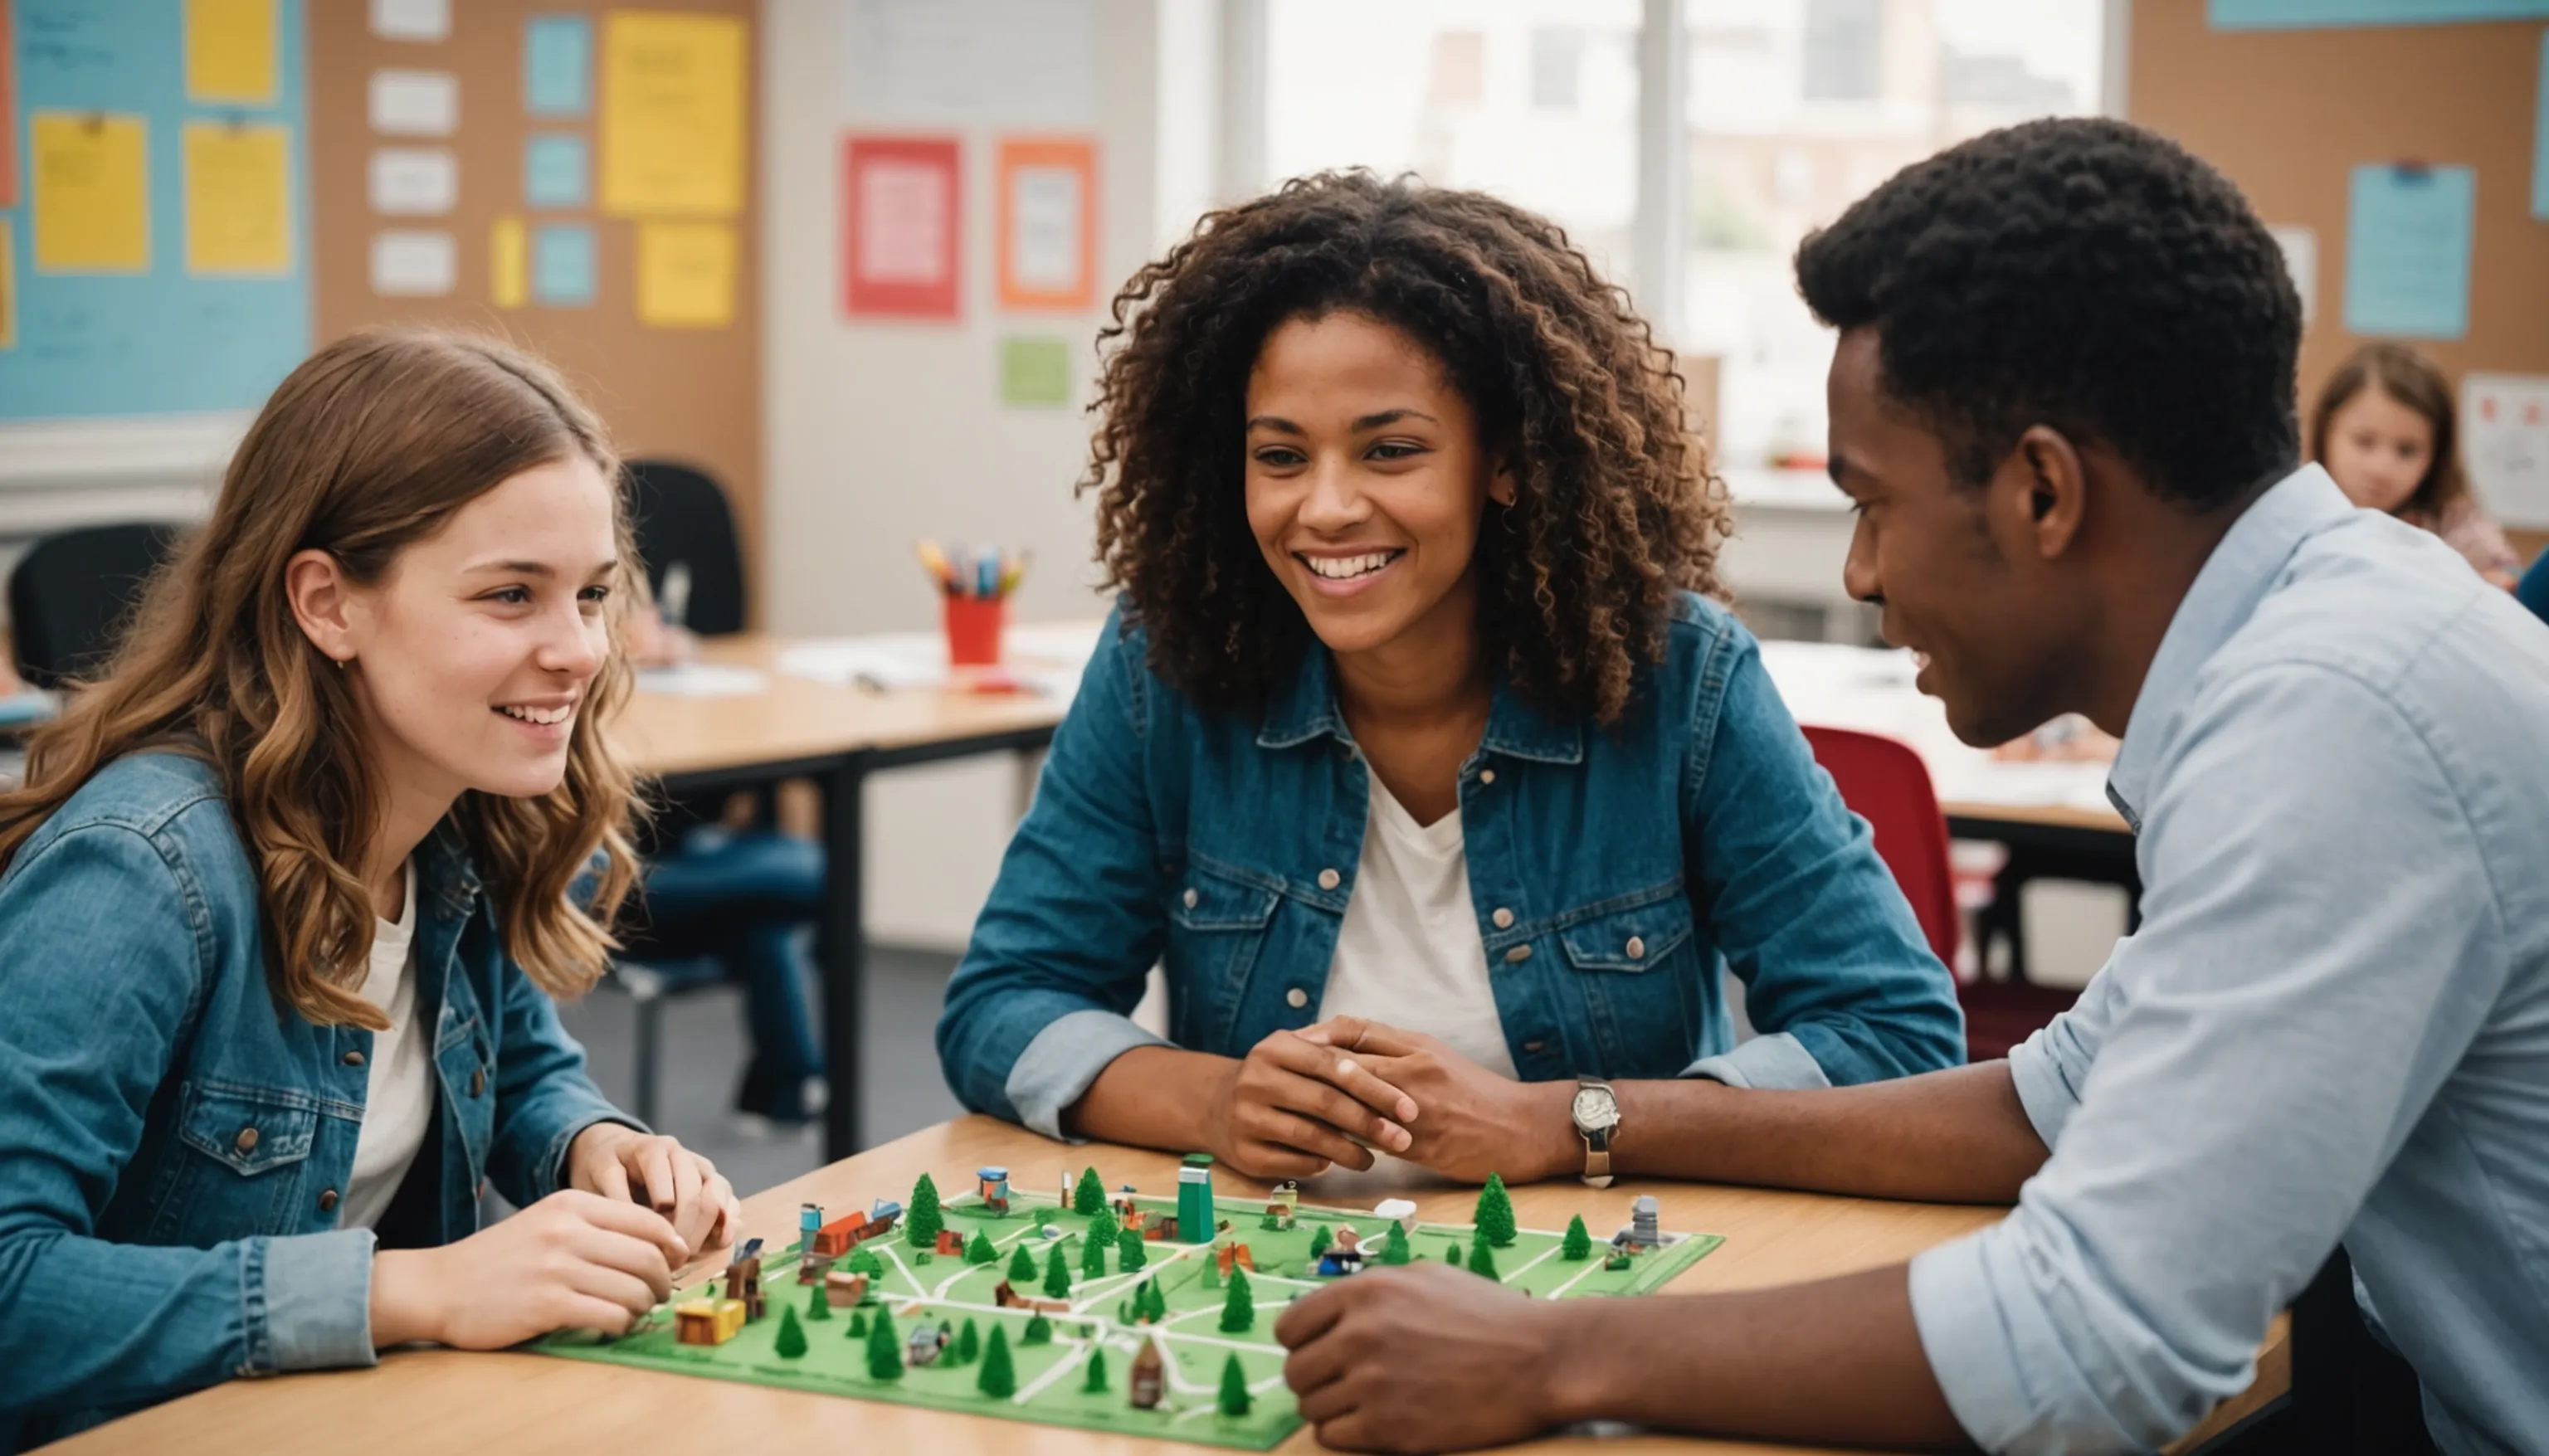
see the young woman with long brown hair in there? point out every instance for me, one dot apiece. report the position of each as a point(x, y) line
point(2384, 427)
point(285, 899)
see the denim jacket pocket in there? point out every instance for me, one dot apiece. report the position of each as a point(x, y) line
point(1634, 970)
point(464, 1062)
point(244, 1178)
point(1217, 923)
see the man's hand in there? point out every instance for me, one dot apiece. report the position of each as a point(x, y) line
point(1471, 1122)
point(1293, 1105)
point(1428, 1358)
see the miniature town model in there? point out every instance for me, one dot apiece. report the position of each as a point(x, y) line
point(1179, 1293)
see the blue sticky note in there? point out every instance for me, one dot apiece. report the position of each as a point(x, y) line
point(557, 65)
point(2292, 15)
point(556, 173)
point(2408, 252)
point(2540, 136)
point(563, 265)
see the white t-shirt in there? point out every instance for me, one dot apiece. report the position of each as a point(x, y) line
point(398, 1104)
point(1409, 952)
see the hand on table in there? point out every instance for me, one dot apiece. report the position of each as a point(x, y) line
point(684, 1188)
point(1292, 1106)
point(1472, 1121)
point(574, 1260)
point(1425, 1358)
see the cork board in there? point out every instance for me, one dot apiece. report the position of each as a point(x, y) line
point(691, 392)
point(2287, 114)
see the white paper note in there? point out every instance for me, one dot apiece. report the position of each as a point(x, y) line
point(414, 181)
point(416, 102)
point(2505, 440)
point(1045, 247)
point(974, 63)
point(411, 20)
point(414, 265)
point(902, 224)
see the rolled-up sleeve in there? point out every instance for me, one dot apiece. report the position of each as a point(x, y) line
point(2254, 1073)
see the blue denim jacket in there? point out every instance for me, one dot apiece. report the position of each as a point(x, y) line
point(171, 1137)
point(1699, 828)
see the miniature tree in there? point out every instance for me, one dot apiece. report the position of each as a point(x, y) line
point(1088, 1196)
point(1495, 1216)
point(968, 1345)
point(1319, 1242)
point(1239, 1311)
point(1234, 1388)
point(1394, 1249)
point(1483, 1261)
point(858, 1323)
point(924, 1221)
point(1452, 1254)
point(1103, 1231)
point(885, 1349)
point(1269, 1222)
point(1158, 1302)
point(1579, 1243)
point(1000, 1377)
point(863, 1260)
point(1039, 1330)
point(1095, 1385)
point(1023, 1269)
point(1057, 1274)
point(817, 1307)
point(980, 1251)
point(792, 1335)
point(1130, 1255)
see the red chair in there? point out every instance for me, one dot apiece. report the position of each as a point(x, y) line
point(1884, 783)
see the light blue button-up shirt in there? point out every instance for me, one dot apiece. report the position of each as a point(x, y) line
point(2333, 1023)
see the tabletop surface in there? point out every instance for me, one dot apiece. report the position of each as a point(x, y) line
point(438, 1402)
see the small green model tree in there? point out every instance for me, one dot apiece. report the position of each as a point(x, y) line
point(1087, 1196)
point(1023, 1269)
point(1579, 1243)
point(1483, 1261)
point(1158, 1302)
point(1095, 1385)
point(1103, 1231)
point(1130, 1255)
point(1234, 1388)
point(1211, 1272)
point(1496, 1212)
point(980, 1251)
point(885, 1349)
point(1239, 1310)
point(863, 1260)
point(1452, 1254)
point(817, 1307)
point(858, 1323)
point(792, 1335)
point(1092, 1257)
point(1394, 1249)
point(1000, 1377)
point(1039, 1330)
point(923, 1222)
point(969, 1344)
point(1057, 1274)
point(1319, 1242)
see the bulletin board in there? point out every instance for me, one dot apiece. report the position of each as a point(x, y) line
point(155, 204)
point(583, 224)
point(2288, 114)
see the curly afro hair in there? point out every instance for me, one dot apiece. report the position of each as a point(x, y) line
point(2084, 274)
point(1616, 510)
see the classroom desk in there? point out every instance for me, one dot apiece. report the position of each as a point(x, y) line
point(435, 1402)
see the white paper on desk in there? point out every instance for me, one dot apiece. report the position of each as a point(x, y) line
point(414, 181)
point(2032, 783)
point(412, 265)
point(2505, 437)
point(897, 661)
point(411, 20)
point(415, 103)
point(702, 679)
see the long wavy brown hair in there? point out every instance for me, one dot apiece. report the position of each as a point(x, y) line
point(2413, 380)
point(1616, 510)
point(369, 446)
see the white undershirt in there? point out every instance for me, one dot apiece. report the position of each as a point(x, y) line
point(1410, 954)
point(397, 1103)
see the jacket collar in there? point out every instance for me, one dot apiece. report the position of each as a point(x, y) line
point(1307, 710)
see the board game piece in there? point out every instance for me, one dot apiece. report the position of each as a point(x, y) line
point(1495, 1216)
point(1579, 1244)
point(1039, 1332)
point(1130, 1256)
point(1232, 1398)
point(817, 1304)
point(968, 1345)
point(992, 1186)
point(706, 1322)
point(1227, 1257)
point(1483, 1260)
point(925, 1344)
point(1194, 1199)
point(1239, 1311)
point(1284, 1209)
point(885, 1349)
point(1000, 1377)
point(858, 1323)
point(1399, 1211)
point(1643, 1233)
point(981, 1252)
point(1022, 1266)
point(922, 1222)
point(1096, 1383)
point(1089, 1197)
point(743, 1283)
point(1093, 1258)
point(1394, 1248)
point(1143, 1384)
point(792, 1337)
point(1057, 1274)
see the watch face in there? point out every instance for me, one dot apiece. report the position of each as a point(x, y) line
point(1594, 1109)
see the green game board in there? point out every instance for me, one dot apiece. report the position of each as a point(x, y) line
point(1052, 1378)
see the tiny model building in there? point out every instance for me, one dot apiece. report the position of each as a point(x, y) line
point(840, 1236)
point(1398, 1210)
point(1006, 1297)
point(1143, 1386)
point(1194, 1199)
point(949, 1242)
point(1230, 1254)
point(843, 1290)
point(1641, 1234)
point(1345, 1256)
point(1283, 1211)
point(926, 1341)
point(743, 1281)
point(992, 1185)
point(708, 1321)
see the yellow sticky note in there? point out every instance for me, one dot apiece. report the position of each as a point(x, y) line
point(508, 269)
point(673, 124)
point(686, 275)
point(229, 50)
point(239, 198)
point(91, 190)
point(8, 286)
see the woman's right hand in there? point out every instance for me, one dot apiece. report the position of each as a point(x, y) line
point(571, 1261)
point(1291, 1107)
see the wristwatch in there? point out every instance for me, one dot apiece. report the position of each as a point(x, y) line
point(1597, 1112)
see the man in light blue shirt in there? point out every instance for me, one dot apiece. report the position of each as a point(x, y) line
point(2062, 404)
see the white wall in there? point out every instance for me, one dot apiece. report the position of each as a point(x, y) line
point(878, 433)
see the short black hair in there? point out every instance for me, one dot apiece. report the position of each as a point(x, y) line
point(2080, 273)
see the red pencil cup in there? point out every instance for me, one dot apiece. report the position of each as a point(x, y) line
point(974, 626)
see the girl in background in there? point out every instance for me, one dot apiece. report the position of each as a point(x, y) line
point(2384, 427)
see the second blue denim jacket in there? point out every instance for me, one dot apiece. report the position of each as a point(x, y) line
point(174, 1140)
point(1615, 873)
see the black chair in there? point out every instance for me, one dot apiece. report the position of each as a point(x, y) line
point(682, 518)
point(69, 596)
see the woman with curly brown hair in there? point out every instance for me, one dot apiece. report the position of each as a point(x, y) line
point(284, 899)
point(1419, 751)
